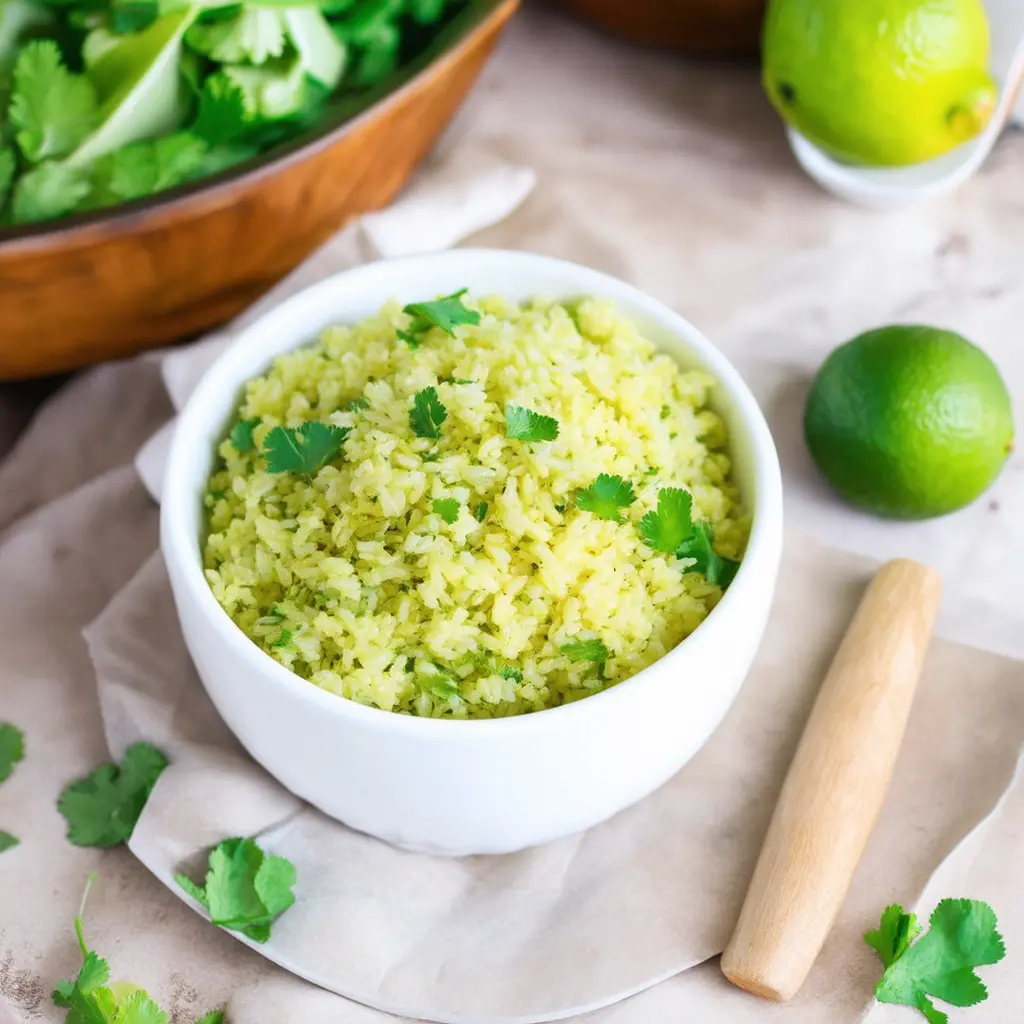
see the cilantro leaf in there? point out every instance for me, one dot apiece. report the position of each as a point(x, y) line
point(47, 191)
point(213, 1017)
point(356, 404)
point(447, 509)
point(145, 167)
point(51, 108)
point(586, 650)
point(138, 1008)
point(672, 531)
point(251, 35)
point(605, 496)
point(446, 312)
point(480, 512)
point(672, 524)
point(306, 449)
point(510, 672)
point(441, 686)
point(715, 569)
point(246, 890)
point(241, 435)
point(102, 809)
point(222, 116)
point(8, 165)
point(12, 748)
point(128, 16)
point(7, 841)
point(427, 413)
point(961, 935)
point(895, 934)
point(527, 425)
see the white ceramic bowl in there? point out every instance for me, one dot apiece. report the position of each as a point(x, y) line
point(479, 786)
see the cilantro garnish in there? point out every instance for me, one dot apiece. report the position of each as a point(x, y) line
point(284, 638)
point(480, 512)
point(427, 414)
point(89, 999)
point(962, 935)
point(586, 650)
point(526, 425)
point(102, 809)
point(441, 686)
point(51, 108)
point(246, 890)
point(7, 841)
point(306, 449)
point(356, 404)
point(672, 531)
point(447, 509)
point(446, 312)
point(12, 748)
point(510, 672)
point(241, 435)
point(605, 496)
point(665, 412)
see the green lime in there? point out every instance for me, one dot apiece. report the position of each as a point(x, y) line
point(909, 422)
point(880, 82)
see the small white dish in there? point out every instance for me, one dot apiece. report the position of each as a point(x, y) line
point(477, 786)
point(884, 188)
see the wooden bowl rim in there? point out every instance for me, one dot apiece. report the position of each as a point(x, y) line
point(215, 190)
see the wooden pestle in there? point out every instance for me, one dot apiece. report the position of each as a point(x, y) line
point(836, 784)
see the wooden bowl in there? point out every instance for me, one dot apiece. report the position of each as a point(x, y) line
point(722, 28)
point(111, 284)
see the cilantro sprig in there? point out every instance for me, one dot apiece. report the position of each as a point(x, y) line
point(962, 934)
point(605, 496)
point(447, 313)
point(246, 889)
point(306, 449)
point(672, 531)
point(526, 425)
point(103, 808)
point(90, 999)
point(7, 841)
point(427, 414)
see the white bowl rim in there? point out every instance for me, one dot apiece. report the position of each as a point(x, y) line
point(185, 550)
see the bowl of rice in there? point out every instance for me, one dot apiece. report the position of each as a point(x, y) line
point(472, 550)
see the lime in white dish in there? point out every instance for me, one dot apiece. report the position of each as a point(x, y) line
point(880, 83)
point(474, 508)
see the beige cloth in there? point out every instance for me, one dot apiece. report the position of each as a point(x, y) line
point(675, 177)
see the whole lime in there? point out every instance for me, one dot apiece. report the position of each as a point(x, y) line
point(909, 422)
point(880, 82)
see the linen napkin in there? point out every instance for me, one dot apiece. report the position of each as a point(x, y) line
point(579, 924)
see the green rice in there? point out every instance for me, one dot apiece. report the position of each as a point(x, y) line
point(355, 581)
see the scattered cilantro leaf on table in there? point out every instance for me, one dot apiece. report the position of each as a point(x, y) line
point(241, 435)
point(586, 650)
point(427, 414)
point(103, 808)
point(12, 748)
point(246, 890)
point(90, 999)
point(605, 496)
point(447, 312)
point(305, 449)
point(672, 531)
point(961, 935)
point(447, 509)
point(51, 108)
point(7, 841)
point(480, 512)
point(526, 425)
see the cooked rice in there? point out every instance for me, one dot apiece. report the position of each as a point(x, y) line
point(354, 582)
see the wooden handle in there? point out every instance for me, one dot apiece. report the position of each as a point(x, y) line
point(836, 784)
